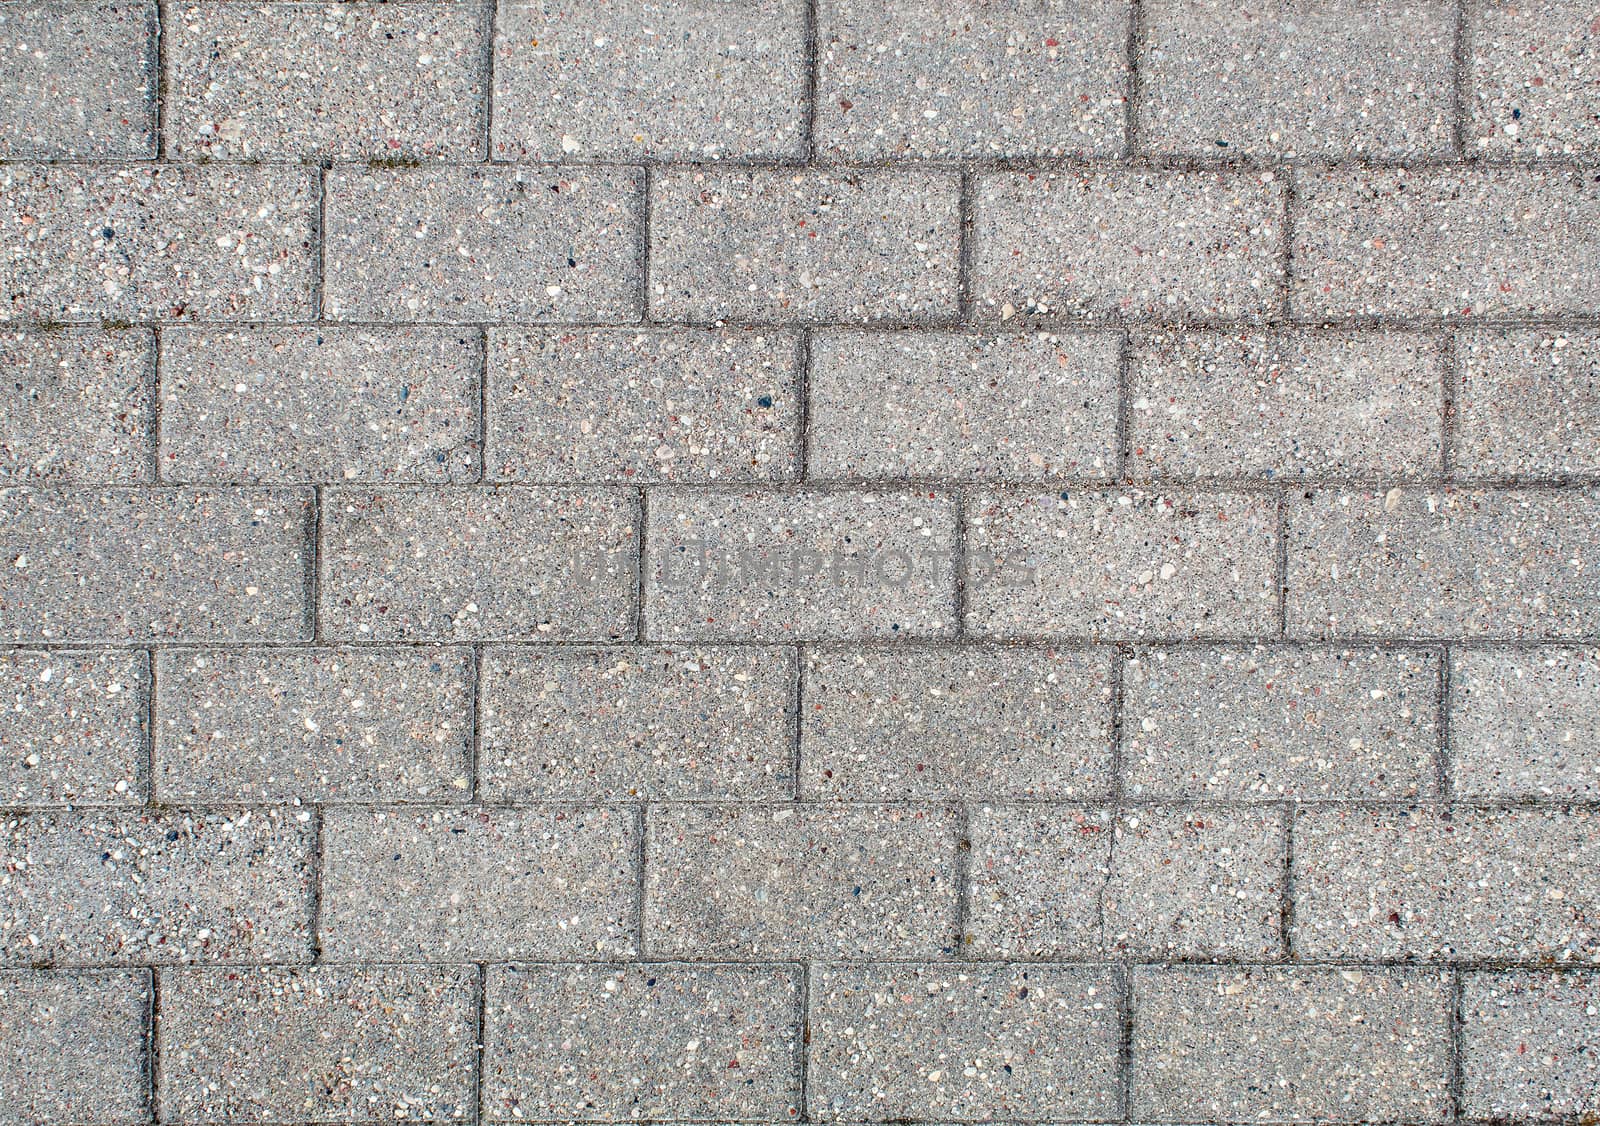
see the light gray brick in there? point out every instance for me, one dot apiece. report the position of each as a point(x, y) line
point(1012, 407)
point(1527, 1045)
point(1531, 78)
point(1528, 402)
point(478, 884)
point(794, 245)
point(1037, 880)
point(612, 724)
point(133, 565)
point(625, 1042)
point(921, 78)
point(693, 80)
point(72, 728)
point(478, 564)
point(642, 407)
point(968, 1042)
point(1444, 563)
point(1525, 723)
point(938, 723)
point(800, 882)
point(1220, 1043)
point(319, 1043)
point(1268, 724)
point(71, 1047)
point(1120, 564)
point(485, 243)
point(170, 886)
point(1118, 245)
point(322, 725)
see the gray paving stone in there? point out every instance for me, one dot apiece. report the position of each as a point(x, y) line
point(1530, 82)
point(325, 404)
point(918, 78)
point(793, 245)
point(478, 884)
point(483, 243)
point(1036, 881)
point(1223, 1043)
point(1525, 723)
point(926, 724)
point(963, 1042)
point(687, 81)
point(70, 1047)
point(1527, 1045)
point(1528, 402)
point(1444, 563)
point(614, 723)
point(133, 565)
point(478, 564)
point(125, 887)
point(274, 81)
point(1120, 245)
point(641, 1041)
point(72, 728)
point(644, 406)
point(1270, 724)
point(323, 725)
point(1009, 407)
point(318, 1043)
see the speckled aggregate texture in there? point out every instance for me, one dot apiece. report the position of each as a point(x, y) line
point(738, 562)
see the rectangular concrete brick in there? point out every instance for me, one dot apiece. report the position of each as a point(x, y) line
point(72, 728)
point(157, 242)
point(133, 565)
point(1527, 1045)
point(1277, 405)
point(126, 888)
point(643, 406)
point(1113, 564)
point(1448, 242)
point(71, 1047)
point(1223, 1043)
point(799, 566)
point(793, 245)
point(1530, 82)
point(475, 244)
point(1525, 723)
point(319, 1043)
point(313, 725)
point(615, 724)
point(1269, 724)
point(1007, 724)
point(963, 1042)
point(1527, 402)
point(1012, 407)
point(800, 882)
point(478, 884)
point(1123, 245)
point(268, 81)
point(478, 564)
point(920, 78)
point(1444, 563)
point(618, 1043)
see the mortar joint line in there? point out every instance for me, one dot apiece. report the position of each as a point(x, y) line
point(962, 877)
point(1291, 201)
point(475, 732)
point(479, 1048)
point(1120, 656)
point(1130, 105)
point(318, 864)
point(1280, 566)
point(483, 404)
point(959, 567)
point(966, 244)
point(808, 120)
point(320, 233)
point(1122, 457)
point(1286, 890)
point(151, 1043)
point(158, 81)
point(490, 13)
point(1442, 752)
point(1460, 79)
point(1450, 365)
point(1456, 1080)
point(640, 529)
point(1124, 981)
point(641, 859)
point(646, 190)
point(153, 430)
point(313, 567)
point(797, 697)
point(803, 1041)
point(151, 718)
point(804, 351)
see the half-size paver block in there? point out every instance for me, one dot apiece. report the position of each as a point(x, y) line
point(793, 245)
point(1121, 564)
point(1220, 1043)
point(133, 565)
point(616, 1043)
point(1036, 881)
point(323, 725)
point(1448, 242)
point(1444, 563)
point(642, 406)
point(1525, 723)
point(615, 723)
point(1528, 401)
point(76, 406)
point(478, 564)
point(1127, 245)
point(924, 78)
point(1269, 724)
point(1013, 407)
point(325, 405)
point(318, 1043)
point(482, 243)
point(71, 1047)
point(478, 884)
point(941, 723)
point(1531, 81)
point(72, 728)
point(122, 887)
point(1223, 78)
point(1280, 405)
point(694, 80)
point(800, 882)
point(1527, 1045)
point(965, 1042)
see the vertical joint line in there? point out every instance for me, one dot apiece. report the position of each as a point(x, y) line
point(958, 566)
point(158, 82)
point(491, 7)
point(1291, 199)
point(1461, 76)
point(1119, 659)
point(483, 404)
point(640, 522)
point(641, 827)
point(797, 695)
point(1281, 560)
point(320, 233)
point(1122, 459)
point(965, 247)
point(151, 718)
point(1450, 361)
point(313, 575)
point(1456, 1080)
point(152, 1043)
point(802, 1042)
point(1442, 750)
point(475, 711)
point(962, 874)
point(646, 186)
point(803, 355)
point(317, 865)
point(809, 111)
point(1286, 902)
point(1125, 1041)
point(153, 435)
point(1130, 104)
point(478, 1046)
